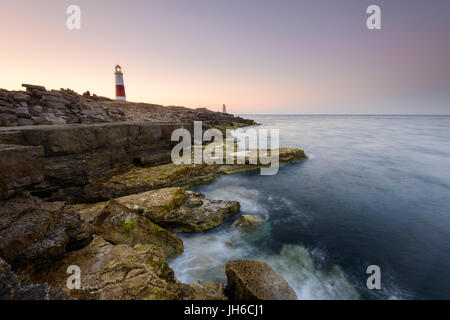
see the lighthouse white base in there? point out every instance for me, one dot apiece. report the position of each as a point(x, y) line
point(121, 98)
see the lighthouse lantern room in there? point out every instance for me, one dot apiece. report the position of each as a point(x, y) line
point(120, 87)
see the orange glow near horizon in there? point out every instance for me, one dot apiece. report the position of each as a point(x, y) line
point(172, 54)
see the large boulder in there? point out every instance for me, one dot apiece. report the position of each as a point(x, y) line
point(34, 231)
point(256, 280)
point(20, 167)
point(112, 272)
point(121, 225)
point(248, 222)
point(198, 214)
point(181, 211)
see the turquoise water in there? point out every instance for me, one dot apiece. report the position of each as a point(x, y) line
point(375, 190)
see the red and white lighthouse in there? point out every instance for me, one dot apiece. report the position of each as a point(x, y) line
point(120, 87)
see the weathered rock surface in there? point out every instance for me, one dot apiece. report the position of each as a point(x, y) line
point(256, 280)
point(76, 155)
point(20, 167)
point(156, 205)
point(12, 288)
point(197, 214)
point(175, 209)
point(121, 225)
point(201, 290)
point(33, 231)
point(66, 106)
point(141, 179)
point(248, 222)
point(113, 272)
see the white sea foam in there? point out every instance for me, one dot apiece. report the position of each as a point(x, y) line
point(206, 255)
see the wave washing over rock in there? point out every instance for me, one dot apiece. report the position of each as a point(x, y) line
point(206, 255)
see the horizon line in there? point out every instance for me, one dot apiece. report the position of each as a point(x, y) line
point(342, 114)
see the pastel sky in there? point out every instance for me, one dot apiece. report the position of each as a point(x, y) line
point(256, 56)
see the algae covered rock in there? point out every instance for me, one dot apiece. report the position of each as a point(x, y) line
point(121, 225)
point(155, 204)
point(248, 222)
point(256, 280)
point(175, 209)
point(196, 214)
point(112, 272)
point(141, 179)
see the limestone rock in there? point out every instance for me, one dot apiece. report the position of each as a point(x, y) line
point(19, 97)
point(25, 122)
point(110, 272)
point(78, 155)
point(201, 290)
point(6, 110)
point(30, 87)
point(155, 204)
point(256, 280)
point(37, 109)
point(13, 288)
point(33, 231)
point(22, 112)
point(174, 209)
point(96, 109)
point(198, 214)
point(141, 179)
point(181, 211)
point(90, 211)
point(20, 167)
point(248, 222)
point(120, 225)
point(9, 282)
point(8, 120)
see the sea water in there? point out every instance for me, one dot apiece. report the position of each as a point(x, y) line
point(375, 190)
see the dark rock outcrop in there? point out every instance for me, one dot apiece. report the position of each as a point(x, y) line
point(38, 106)
point(256, 280)
point(20, 167)
point(13, 288)
point(33, 231)
point(76, 155)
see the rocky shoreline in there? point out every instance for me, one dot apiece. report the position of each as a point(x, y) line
point(104, 197)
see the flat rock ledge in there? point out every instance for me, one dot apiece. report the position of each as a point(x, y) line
point(174, 209)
